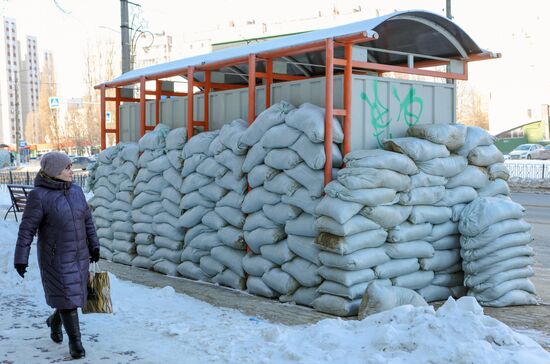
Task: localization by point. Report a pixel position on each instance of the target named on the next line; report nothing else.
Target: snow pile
(199, 172)
(497, 259)
(5, 159)
(104, 195)
(148, 186)
(168, 239)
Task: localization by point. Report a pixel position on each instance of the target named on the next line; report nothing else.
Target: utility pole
(125, 36)
(448, 10)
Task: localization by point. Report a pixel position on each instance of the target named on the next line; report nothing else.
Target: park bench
(18, 195)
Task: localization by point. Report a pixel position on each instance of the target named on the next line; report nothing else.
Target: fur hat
(53, 163)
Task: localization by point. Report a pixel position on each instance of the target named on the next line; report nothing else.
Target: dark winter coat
(66, 238)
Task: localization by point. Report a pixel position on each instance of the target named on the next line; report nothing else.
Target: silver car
(525, 151)
(543, 153)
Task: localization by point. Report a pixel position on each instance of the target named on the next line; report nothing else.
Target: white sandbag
(303, 200)
(231, 161)
(354, 225)
(485, 155)
(130, 152)
(259, 174)
(211, 168)
(176, 138)
(422, 196)
(281, 213)
(120, 235)
(278, 253)
(96, 202)
(431, 214)
(231, 258)
(280, 281)
(168, 243)
(494, 188)
(351, 243)
(310, 179)
(103, 192)
(125, 196)
(144, 239)
(129, 170)
(192, 217)
(166, 218)
(192, 254)
(498, 170)
(139, 216)
(497, 291)
(123, 246)
(231, 199)
(441, 230)
(486, 211)
(396, 267)
(361, 259)
(205, 241)
(191, 164)
(230, 279)
(274, 115)
(472, 176)
(381, 159)
(229, 181)
(258, 220)
(457, 195)
(233, 216)
(452, 136)
(144, 175)
(335, 305)
(166, 267)
(512, 298)
(148, 156)
(303, 271)
(232, 237)
(257, 287)
(455, 268)
(449, 279)
(340, 211)
(168, 231)
(337, 289)
(199, 143)
(445, 167)
(410, 249)
(192, 270)
(357, 178)
(480, 265)
(502, 242)
(282, 159)
(280, 136)
(302, 225)
(142, 262)
(447, 242)
(304, 248)
(409, 232)
(254, 157)
(256, 265)
(213, 220)
(194, 232)
(366, 196)
(314, 155)
(501, 277)
(159, 164)
(493, 232)
(171, 207)
(256, 238)
(433, 293)
(305, 296)
(118, 205)
(230, 136)
(379, 298)
(212, 192)
(441, 260)
(492, 271)
(155, 139)
(256, 198)
(415, 280)
(310, 119)
(124, 226)
(167, 254)
(123, 258)
(194, 181)
(193, 199)
(417, 149)
(475, 137)
(140, 227)
(281, 184)
(345, 277)
(457, 210)
(387, 216)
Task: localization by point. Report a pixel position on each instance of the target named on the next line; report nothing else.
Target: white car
(525, 151)
(543, 153)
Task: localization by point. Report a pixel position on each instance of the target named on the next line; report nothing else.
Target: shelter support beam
(117, 115)
(142, 106)
(329, 99)
(251, 88)
(190, 100)
(102, 119)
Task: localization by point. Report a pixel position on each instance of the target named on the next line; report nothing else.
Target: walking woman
(67, 241)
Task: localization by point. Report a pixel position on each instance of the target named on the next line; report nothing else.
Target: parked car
(543, 153)
(525, 151)
(82, 162)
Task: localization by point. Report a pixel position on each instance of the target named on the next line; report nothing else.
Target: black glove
(94, 257)
(21, 269)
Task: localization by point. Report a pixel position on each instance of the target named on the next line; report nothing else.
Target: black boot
(54, 323)
(72, 328)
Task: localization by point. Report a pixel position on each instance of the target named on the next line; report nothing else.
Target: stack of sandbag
(123, 175)
(104, 195)
(168, 234)
(148, 186)
(200, 170)
(497, 258)
(434, 149)
(224, 264)
(354, 216)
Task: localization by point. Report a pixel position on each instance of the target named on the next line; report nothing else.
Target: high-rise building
(30, 91)
(152, 49)
(10, 91)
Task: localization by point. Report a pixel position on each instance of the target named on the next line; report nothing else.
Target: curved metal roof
(417, 32)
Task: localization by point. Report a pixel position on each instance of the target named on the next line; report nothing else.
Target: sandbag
(361, 259)
(457, 195)
(303, 271)
(346, 277)
(379, 298)
(475, 136)
(280, 136)
(396, 267)
(282, 159)
(445, 167)
(191, 164)
(503, 242)
(256, 286)
(280, 281)
(452, 136)
(199, 143)
(308, 178)
(231, 199)
(486, 211)
(274, 115)
(337, 289)
(205, 241)
(432, 214)
(231, 161)
(281, 184)
(472, 176)
(493, 188)
(441, 230)
(441, 260)
(229, 257)
(233, 216)
(192, 270)
(304, 247)
(367, 196)
(232, 237)
(314, 155)
(409, 232)
(335, 305)
(281, 213)
(211, 168)
(485, 155)
(352, 243)
(256, 265)
(381, 159)
(512, 298)
(422, 196)
(256, 238)
(303, 200)
(256, 198)
(278, 253)
(498, 170)
(303, 225)
(499, 267)
(193, 199)
(254, 157)
(310, 119)
(480, 265)
(259, 174)
(357, 178)
(231, 134)
(415, 280)
(410, 249)
(418, 150)
(354, 225)
(493, 232)
(387, 216)
(340, 211)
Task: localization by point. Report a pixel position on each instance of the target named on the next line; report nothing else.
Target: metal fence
(529, 170)
(27, 178)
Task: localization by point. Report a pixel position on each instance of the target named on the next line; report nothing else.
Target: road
(537, 206)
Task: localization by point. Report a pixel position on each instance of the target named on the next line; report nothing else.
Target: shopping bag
(99, 295)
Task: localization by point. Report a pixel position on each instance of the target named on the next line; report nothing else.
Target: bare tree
(50, 127)
(472, 106)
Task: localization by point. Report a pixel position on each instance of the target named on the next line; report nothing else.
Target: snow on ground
(153, 325)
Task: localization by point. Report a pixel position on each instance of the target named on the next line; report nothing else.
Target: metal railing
(529, 170)
(27, 178)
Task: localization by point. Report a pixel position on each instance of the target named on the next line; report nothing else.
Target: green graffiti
(379, 114)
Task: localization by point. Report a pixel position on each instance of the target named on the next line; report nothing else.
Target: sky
(520, 33)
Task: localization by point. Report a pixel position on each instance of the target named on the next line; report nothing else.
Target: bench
(18, 195)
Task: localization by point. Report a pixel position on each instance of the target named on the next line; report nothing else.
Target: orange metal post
(329, 91)
(117, 115)
(206, 99)
(269, 81)
(347, 98)
(142, 106)
(251, 88)
(158, 91)
(102, 119)
(190, 76)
